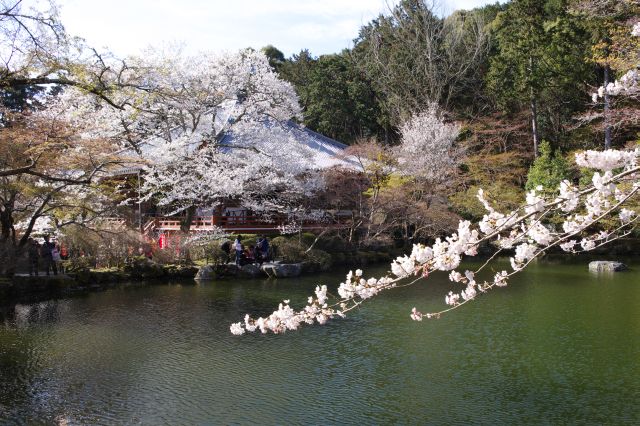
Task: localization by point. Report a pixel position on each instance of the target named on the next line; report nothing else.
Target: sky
(125, 27)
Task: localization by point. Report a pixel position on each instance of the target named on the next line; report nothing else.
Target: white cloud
(128, 26)
(470, 4)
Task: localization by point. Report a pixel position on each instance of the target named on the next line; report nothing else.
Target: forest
(517, 78)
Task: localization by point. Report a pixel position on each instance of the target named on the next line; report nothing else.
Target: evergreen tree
(539, 62)
(275, 56)
(548, 170)
(338, 102)
(608, 23)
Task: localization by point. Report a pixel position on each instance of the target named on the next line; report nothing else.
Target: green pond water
(558, 345)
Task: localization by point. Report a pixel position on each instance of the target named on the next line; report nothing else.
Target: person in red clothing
(248, 255)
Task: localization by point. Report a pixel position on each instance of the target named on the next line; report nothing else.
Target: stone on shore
(282, 270)
(251, 271)
(206, 273)
(606, 266)
(214, 272)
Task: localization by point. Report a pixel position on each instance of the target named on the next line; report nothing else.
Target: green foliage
(217, 256)
(141, 267)
(331, 244)
(501, 178)
(289, 250)
(79, 264)
(548, 170)
(275, 56)
(339, 258)
(307, 238)
(338, 101)
(211, 252)
(540, 57)
(502, 195)
(317, 260)
(393, 181)
(106, 248)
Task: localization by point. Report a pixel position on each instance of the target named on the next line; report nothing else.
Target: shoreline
(40, 287)
(24, 288)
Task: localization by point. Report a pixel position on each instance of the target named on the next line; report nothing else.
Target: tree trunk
(185, 226)
(6, 223)
(534, 124)
(7, 244)
(534, 110)
(607, 108)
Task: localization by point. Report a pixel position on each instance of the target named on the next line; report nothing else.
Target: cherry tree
(264, 169)
(205, 128)
(408, 181)
(215, 129)
(48, 164)
(427, 149)
(37, 53)
(52, 181)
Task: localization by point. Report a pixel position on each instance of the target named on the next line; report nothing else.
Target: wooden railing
(114, 222)
(236, 223)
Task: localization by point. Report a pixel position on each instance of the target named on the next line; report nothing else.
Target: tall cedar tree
(539, 65)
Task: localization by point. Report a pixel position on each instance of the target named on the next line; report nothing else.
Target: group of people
(244, 255)
(51, 254)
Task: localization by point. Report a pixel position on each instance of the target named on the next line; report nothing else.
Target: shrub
(291, 251)
(339, 258)
(277, 242)
(502, 196)
(218, 256)
(549, 169)
(167, 255)
(108, 247)
(331, 244)
(307, 239)
(319, 260)
(79, 264)
(211, 252)
(140, 266)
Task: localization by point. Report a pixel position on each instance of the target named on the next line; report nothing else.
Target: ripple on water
(553, 347)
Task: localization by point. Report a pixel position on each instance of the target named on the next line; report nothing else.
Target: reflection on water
(559, 345)
(25, 315)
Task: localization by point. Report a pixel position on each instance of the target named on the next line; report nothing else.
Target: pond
(558, 345)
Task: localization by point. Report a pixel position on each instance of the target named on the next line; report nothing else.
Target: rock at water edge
(606, 266)
(206, 273)
(284, 270)
(251, 271)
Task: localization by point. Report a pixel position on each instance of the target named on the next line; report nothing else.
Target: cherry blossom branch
(523, 230)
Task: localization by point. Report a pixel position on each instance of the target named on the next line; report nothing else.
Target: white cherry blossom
(527, 231)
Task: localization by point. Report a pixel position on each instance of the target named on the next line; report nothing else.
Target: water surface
(559, 345)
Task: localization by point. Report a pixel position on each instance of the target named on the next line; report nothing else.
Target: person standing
(57, 258)
(264, 248)
(237, 245)
(257, 254)
(248, 255)
(47, 256)
(148, 251)
(226, 249)
(33, 251)
(64, 253)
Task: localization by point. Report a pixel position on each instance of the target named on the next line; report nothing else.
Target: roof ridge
(318, 135)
